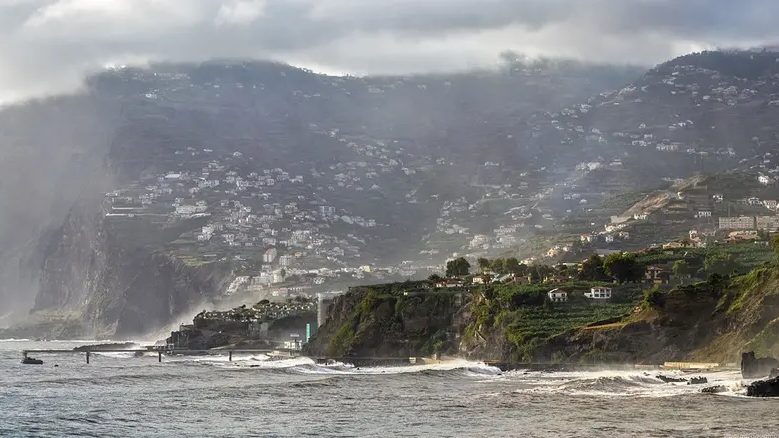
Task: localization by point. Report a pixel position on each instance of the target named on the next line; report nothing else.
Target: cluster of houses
(595, 293)
(260, 312)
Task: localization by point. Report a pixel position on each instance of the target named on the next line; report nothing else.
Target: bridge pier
(87, 357)
(159, 356)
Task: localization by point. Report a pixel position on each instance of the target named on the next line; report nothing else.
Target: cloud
(48, 46)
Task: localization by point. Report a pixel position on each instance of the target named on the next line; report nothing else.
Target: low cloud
(47, 46)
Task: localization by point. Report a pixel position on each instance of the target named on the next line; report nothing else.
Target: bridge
(271, 352)
(278, 352)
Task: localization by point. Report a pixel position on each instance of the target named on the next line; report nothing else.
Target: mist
(48, 46)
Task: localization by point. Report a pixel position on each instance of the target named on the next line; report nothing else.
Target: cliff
(712, 321)
(119, 279)
(394, 320)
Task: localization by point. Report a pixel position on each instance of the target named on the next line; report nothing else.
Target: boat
(31, 361)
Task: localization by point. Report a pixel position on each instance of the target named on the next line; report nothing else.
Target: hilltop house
(557, 295)
(449, 283)
(657, 275)
(599, 293)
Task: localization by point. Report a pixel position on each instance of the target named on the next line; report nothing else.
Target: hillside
(207, 167)
(711, 321)
(708, 321)
(255, 179)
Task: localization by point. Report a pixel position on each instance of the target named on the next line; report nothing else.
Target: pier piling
(230, 356)
(87, 357)
(159, 356)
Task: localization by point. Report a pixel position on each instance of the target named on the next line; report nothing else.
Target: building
(557, 295)
(737, 223)
(657, 275)
(269, 256)
(770, 223)
(323, 301)
(599, 293)
(285, 261)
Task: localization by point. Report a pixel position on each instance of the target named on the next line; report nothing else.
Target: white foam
(623, 383)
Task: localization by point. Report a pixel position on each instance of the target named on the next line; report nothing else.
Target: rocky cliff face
(376, 321)
(711, 321)
(119, 285)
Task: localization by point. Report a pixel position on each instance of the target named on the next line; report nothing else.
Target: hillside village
(285, 223)
(260, 180)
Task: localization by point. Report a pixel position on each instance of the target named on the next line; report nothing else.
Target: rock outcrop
(667, 379)
(698, 381)
(379, 321)
(764, 388)
(716, 389)
(753, 367)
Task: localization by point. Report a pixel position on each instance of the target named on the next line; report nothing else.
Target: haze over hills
(159, 189)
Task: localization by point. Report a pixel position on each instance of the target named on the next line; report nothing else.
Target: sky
(48, 46)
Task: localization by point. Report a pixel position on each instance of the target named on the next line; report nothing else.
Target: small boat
(32, 361)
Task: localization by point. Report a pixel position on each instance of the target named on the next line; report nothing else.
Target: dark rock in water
(764, 388)
(714, 389)
(698, 381)
(753, 367)
(667, 379)
(774, 373)
(138, 353)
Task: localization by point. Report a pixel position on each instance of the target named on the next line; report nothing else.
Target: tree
(623, 267)
(562, 269)
(722, 264)
(498, 266)
(511, 265)
(775, 244)
(484, 264)
(434, 278)
(283, 273)
(535, 275)
(682, 269)
(457, 267)
(592, 269)
(545, 271)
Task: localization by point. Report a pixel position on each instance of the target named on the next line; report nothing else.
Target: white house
(557, 295)
(599, 293)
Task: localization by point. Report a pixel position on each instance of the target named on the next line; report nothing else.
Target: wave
(624, 383)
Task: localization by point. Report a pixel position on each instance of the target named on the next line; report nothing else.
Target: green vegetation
(457, 267)
(623, 201)
(624, 267)
(408, 318)
(525, 317)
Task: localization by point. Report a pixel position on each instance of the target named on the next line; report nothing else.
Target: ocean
(118, 395)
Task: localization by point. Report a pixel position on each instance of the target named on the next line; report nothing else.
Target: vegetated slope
(731, 186)
(508, 322)
(712, 321)
(394, 320)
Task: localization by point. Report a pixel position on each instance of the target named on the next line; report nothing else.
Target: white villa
(558, 295)
(599, 293)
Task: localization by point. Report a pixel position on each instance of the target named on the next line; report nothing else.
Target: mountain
(156, 190)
